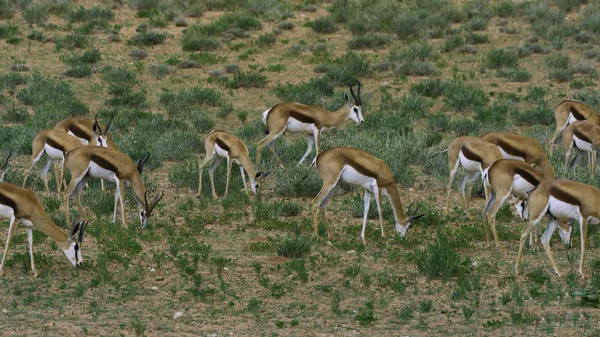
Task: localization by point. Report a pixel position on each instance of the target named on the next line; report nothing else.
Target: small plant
(439, 259)
(369, 41)
(425, 306)
(287, 25)
(295, 247)
(463, 97)
(247, 79)
(266, 40)
(148, 38)
(405, 314)
(138, 54)
(557, 61)
(501, 58)
(180, 22)
(160, 71)
(366, 314)
(36, 13)
(323, 25)
(138, 326)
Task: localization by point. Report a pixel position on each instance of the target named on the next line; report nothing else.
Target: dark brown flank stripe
(366, 172)
(79, 132)
(222, 144)
(301, 117)
(581, 136)
(508, 148)
(5, 200)
(469, 154)
(527, 176)
(577, 114)
(105, 164)
(563, 196)
(54, 144)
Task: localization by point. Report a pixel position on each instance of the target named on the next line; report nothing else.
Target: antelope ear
(262, 175)
(347, 98)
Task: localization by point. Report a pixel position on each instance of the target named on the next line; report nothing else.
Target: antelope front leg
(11, 232)
(30, 239)
(583, 221)
(229, 164)
(121, 189)
(367, 200)
(546, 244)
(524, 234)
(310, 141)
(378, 202)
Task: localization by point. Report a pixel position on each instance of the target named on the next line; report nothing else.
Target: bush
(295, 247)
(476, 24)
(184, 100)
(440, 260)
(463, 97)
(143, 4)
(247, 79)
(36, 35)
(535, 116)
(79, 71)
(585, 68)
(406, 26)
(561, 75)
(267, 39)
(431, 87)
(72, 41)
(557, 61)
(160, 71)
(95, 13)
(369, 41)
(323, 25)
(9, 30)
(287, 25)
(180, 22)
(36, 13)
(149, 38)
(344, 70)
(194, 41)
(138, 54)
(312, 92)
(465, 127)
(501, 58)
(505, 9)
(91, 56)
(417, 68)
(514, 75)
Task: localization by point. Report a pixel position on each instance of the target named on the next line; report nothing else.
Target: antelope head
(355, 104)
(100, 136)
(254, 182)
(147, 208)
(411, 216)
(75, 238)
(4, 164)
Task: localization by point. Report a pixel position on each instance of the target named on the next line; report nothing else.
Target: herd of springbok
(509, 164)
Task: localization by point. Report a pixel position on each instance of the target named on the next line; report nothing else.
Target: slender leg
(593, 163)
(378, 202)
(102, 184)
(367, 199)
(116, 202)
(57, 176)
(450, 180)
(121, 186)
(546, 243)
(320, 201)
(326, 222)
(244, 178)
(465, 189)
(229, 164)
(310, 141)
(533, 221)
(491, 217)
(45, 173)
(554, 136)
(583, 223)
(30, 239)
(272, 149)
(211, 174)
(266, 141)
(567, 155)
(200, 168)
(11, 232)
(28, 169)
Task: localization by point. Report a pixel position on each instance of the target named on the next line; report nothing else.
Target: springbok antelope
(515, 146)
(4, 164)
(360, 168)
(505, 177)
(584, 137)
(309, 119)
(226, 145)
(87, 162)
(567, 112)
(561, 199)
(474, 155)
(88, 131)
(54, 143)
(22, 206)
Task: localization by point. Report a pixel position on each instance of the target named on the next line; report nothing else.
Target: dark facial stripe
(105, 164)
(301, 117)
(54, 144)
(222, 144)
(5, 200)
(81, 133)
(527, 176)
(576, 114)
(469, 154)
(581, 135)
(508, 148)
(563, 196)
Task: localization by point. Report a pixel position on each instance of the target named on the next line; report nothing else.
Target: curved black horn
(352, 93)
(73, 230)
(97, 125)
(410, 207)
(358, 90)
(82, 230)
(109, 125)
(142, 161)
(5, 162)
(146, 201)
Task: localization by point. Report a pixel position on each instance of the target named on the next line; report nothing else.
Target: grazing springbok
(561, 199)
(225, 145)
(582, 136)
(22, 206)
(506, 177)
(567, 112)
(474, 155)
(308, 119)
(357, 167)
(87, 162)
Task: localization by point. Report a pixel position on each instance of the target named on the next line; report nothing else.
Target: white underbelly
(351, 176)
(563, 210)
(53, 153)
(508, 156)
(295, 126)
(96, 171)
(521, 187)
(469, 165)
(221, 152)
(6, 212)
(582, 145)
(571, 119)
(83, 140)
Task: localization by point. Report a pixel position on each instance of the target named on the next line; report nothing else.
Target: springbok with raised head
(358, 167)
(88, 131)
(516, 146)
(567, 112)
(54, 143)
(225, 145)
(582, 136)
(474, 155)
(308, 119)
(4, 164)
(21, 206)
(506, 177)
(87, 162)
(561, 199)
